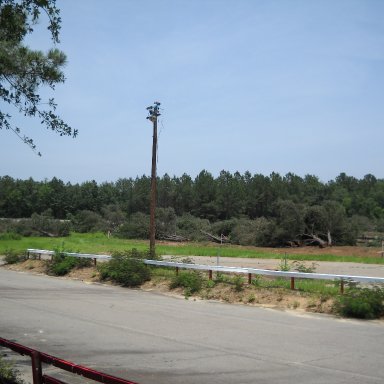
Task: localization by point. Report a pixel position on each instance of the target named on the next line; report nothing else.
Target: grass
(98, 243)
(323, 287)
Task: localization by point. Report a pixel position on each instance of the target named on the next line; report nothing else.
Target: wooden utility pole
(153, 115)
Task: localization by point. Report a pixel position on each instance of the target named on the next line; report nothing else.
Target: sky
(245, 85)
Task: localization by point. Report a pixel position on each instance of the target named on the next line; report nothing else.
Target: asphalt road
(150, 338)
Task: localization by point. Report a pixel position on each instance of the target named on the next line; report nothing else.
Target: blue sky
(258, 85)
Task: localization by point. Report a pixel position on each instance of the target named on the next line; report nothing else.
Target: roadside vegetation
(126, 268)
(99, 243)
(8, 373)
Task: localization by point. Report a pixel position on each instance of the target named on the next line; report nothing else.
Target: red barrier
(39, 357)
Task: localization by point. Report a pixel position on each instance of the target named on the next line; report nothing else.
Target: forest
(247, 209)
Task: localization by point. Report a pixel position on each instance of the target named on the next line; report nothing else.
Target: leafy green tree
(230, 195)
(113, 216)
(191, 227)
(88, 221)
(24, 71)
(165, 191)
(205, 195)
(141, 193)
(258, 195)
(165, 221)
(183, 201)
(315, 219)
(136, 227)
(289, 220)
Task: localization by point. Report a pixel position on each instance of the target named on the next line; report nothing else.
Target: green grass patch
(99, 243)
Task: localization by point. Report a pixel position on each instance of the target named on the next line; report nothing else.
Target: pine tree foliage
(24, 71)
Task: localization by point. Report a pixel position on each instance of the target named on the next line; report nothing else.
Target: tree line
(251, 209)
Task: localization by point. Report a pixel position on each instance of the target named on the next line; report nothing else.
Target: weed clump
(126, 268)
(192, 282)
(8, 373)
(238, 281)
(361, 303)
(62, 264)
(13, 257)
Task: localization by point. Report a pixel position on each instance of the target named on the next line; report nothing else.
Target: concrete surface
(150, 338)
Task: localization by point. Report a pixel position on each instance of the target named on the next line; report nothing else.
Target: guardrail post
(210, 274)
(292, 283)
(249, 278)
(37, 373)
(94, 262)
(342, 286)
(177, 271)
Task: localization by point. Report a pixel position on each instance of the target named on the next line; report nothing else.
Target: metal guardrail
(248, 271)
(40, 252)
(266, 272)
(39, 357)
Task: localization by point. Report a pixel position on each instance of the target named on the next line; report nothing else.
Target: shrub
(126, 268)
(10, 236)
(284, 265)
(12, 257)
(45, 224)
(361, 303)
(136, 227)
(192, 282)
(238, 281)
(259, 232)
(88, 221)
(62, 264)
(190, 226)
(8, 373)
(300, 266)
(165, 221)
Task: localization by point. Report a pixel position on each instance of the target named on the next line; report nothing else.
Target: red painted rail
(39, 357)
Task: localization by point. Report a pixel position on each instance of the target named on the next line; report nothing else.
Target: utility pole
(153, 115)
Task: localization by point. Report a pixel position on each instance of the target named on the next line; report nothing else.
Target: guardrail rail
(247, 271)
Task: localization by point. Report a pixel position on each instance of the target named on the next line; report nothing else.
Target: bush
(190, 227)
(259, 232)
(88, 221)
(192, 282)
(62, 264)
(126, 268)
(12, 257)
(136, 227)
(10, 236)
(8, 373)
(361, 303)
(300, 266)
(238, 281)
